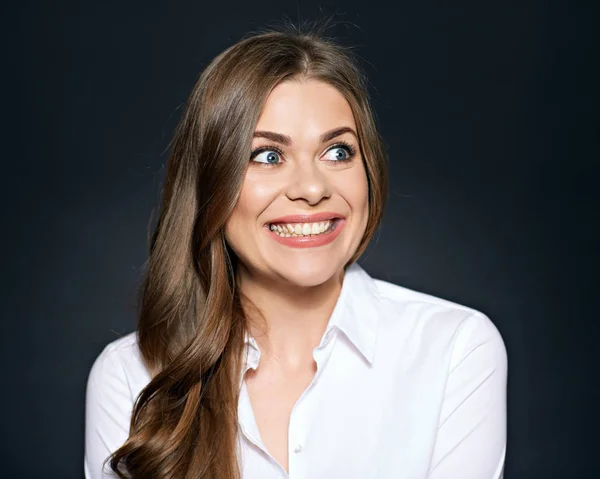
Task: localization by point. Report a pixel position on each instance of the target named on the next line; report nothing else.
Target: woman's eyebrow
(287, 141)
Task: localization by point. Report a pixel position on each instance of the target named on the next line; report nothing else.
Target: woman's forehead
(305, 109)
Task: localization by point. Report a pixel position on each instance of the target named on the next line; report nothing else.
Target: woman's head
(286, 93)
(221, 197)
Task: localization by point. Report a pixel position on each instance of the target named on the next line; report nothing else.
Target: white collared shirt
(408, 386)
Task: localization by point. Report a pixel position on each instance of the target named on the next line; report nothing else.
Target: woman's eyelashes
(272, 156)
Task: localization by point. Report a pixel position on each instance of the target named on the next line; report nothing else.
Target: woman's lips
(310, 241)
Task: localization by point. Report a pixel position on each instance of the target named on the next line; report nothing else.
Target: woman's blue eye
(339, 154)
(267, 156)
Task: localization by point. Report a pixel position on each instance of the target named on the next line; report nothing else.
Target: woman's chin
(308, 274)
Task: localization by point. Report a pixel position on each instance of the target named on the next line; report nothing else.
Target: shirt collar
(355, 312)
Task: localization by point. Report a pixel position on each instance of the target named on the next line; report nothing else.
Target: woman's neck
(295, 317)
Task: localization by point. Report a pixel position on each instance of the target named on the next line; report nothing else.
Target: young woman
(263, 350)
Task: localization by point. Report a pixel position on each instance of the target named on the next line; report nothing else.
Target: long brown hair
(191, 322)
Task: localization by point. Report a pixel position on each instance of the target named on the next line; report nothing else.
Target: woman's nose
(308, 183)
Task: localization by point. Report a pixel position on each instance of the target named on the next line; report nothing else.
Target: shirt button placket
(296, 438)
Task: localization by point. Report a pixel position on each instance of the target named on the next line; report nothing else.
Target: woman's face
(303, 207)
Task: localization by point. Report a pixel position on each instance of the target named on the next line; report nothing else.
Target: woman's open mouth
(302, 235)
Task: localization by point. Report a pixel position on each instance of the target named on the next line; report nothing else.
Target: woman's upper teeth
(301, 228)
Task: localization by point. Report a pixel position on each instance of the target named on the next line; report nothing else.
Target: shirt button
(298, 448)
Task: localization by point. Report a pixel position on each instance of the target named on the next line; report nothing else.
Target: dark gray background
(489, 111)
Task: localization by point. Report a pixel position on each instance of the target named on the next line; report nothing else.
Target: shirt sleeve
(109, 404)
(471, 435)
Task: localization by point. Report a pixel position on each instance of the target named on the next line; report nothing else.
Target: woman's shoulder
(402, 296)
(431, 329)
(120, 362)
(435, 317)
(115, 379)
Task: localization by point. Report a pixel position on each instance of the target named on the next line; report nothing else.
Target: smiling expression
(303, 207)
